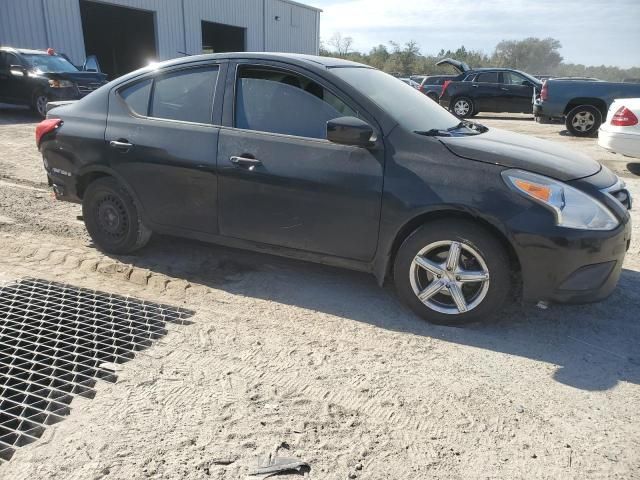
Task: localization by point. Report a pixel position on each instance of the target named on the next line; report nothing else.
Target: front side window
(278, 101)
(185, 95)
(511, 78)
(7, 59)
(487, 77)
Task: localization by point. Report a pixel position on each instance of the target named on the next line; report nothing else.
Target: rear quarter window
(137, 97)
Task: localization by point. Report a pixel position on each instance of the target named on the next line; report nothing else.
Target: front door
(161, 138)
(281, 182)
(517, 93)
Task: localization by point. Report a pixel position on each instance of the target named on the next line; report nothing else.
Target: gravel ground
(322, 364)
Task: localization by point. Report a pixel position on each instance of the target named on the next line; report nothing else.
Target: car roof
(296, 58)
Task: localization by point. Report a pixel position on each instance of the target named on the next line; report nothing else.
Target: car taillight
(444, 86)
(624, 118)
(544, 93)
(46, 126)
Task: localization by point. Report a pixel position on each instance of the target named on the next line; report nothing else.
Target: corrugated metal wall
(57, 24)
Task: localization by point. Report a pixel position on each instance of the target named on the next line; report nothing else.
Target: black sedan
(334, 162)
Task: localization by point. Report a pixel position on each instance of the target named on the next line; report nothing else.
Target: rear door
(487, 91)
(281, 181)
(517, 96)
(162, 138)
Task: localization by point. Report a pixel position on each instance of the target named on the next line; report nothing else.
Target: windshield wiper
(434, 132)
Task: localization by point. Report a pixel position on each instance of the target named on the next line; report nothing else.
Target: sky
(592, 32)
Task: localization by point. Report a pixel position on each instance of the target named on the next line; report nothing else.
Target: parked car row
(580, 102)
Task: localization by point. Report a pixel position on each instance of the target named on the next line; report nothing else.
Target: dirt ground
(321, 364)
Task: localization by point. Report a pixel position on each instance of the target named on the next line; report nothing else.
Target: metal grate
(55, 340)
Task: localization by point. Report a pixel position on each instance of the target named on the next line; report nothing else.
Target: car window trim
(152, 76)
(277, 66)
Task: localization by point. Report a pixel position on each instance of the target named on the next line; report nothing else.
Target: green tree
(533, 55)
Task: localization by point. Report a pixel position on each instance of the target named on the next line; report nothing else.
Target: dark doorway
(122, 38)
(219, 38)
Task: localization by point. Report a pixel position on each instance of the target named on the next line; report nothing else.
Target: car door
(162, 139)
(487, 92)
(517, 94)
(281, 182)
(14, 87)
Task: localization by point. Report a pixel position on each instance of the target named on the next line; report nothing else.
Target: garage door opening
(122, 38)
(220, 38)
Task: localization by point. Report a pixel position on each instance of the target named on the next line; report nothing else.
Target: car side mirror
(350, 131)
(17, 70)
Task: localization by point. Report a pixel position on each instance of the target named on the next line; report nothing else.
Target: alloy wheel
(449, 277)
(583, 121)
(461, 108)
(41, 105)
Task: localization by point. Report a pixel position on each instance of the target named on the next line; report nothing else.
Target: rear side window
(282, 102)
(487, 77)
(137, 96)
(186, 95)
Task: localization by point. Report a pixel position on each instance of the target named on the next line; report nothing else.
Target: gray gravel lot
(322, 364)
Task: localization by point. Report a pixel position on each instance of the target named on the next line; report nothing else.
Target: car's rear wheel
(453, 272)
(463, 107)
(584, 121)
(39, 104)
(112, 218)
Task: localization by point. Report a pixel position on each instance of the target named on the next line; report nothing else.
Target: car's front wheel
(112, 218)
(452, 272)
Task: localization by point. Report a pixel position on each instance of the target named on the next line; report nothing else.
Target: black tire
(584, 121)
(112, 219)
(470, 236)
(39, 103)
(458, 107)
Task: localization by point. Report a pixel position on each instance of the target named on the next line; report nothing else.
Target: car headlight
(60, 83)
(571, 207)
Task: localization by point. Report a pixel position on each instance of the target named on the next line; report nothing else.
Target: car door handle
(246, 162)
(504, 88)
(120, 145)
(475, 86)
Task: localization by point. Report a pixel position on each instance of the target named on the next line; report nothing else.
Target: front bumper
(571, 266)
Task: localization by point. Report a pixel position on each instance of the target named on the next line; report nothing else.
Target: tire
(112, 219)
(481, 253)
(462, 107)
(584, 121)
(39, 104)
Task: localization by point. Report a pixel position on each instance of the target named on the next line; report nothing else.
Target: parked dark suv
(334, 162)
(478, 90)
(35, 77)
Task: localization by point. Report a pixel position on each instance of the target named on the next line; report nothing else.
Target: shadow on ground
(593, 346)
(10, 115)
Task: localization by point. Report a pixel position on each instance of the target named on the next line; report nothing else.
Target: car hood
(513, 150)
(78, 77)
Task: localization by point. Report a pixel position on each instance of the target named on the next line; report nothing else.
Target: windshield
(410, 108)
(50, 63)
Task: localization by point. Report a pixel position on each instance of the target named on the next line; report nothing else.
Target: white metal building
(126, 34)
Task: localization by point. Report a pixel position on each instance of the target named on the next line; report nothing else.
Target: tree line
(537, 56)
